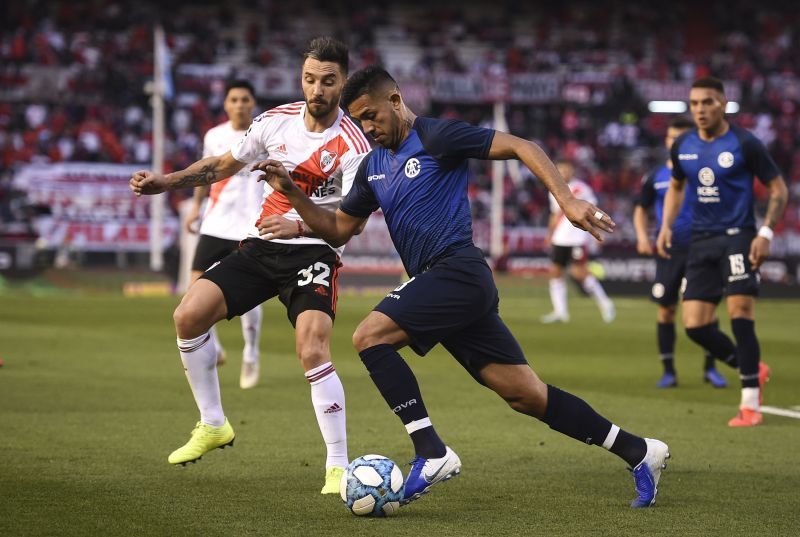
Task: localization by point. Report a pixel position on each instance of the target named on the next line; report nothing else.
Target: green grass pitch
(93, 399)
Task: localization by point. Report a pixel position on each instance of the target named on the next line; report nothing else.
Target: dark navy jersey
(422, 189)
(720, 174)
(654, 188)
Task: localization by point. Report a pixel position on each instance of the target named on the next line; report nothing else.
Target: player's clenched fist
(147, 183)
(275, 174)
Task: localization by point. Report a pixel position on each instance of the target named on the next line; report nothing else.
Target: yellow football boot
(204, 439)
(333, 477)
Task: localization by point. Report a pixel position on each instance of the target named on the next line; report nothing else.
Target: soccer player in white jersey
(322, 150)
(228, 217)
(568, 249)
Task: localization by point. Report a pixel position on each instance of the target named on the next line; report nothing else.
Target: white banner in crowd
(92, 208)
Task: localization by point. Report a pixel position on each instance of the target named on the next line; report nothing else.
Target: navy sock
(709, 361)
(666, 345)
(572, 416)
(748, 351)
(399, 387)
(712, 339)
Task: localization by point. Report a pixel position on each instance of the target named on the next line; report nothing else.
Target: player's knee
(363, 338)
(312, 356)
(186, 322)
(741, 310)
(666, 314)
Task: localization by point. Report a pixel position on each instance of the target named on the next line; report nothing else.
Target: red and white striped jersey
(323, 164)
(234, 202)
(565, 234)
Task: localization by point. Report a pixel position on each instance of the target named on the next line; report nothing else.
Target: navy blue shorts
(718, 265)
(455, 303)
(669, 277)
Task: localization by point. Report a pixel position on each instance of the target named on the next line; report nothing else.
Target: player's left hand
(759, 251)
(278, 227)
(587, 217)
(275, 174)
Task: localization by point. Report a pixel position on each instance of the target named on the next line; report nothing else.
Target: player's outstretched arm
(672, 206)
(581, 213)
(203, 172)
(335, 228)
(778, 196)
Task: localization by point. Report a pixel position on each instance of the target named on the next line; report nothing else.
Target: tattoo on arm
(775, 207)
(205, 176)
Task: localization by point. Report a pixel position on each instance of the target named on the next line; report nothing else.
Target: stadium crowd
(73, 74)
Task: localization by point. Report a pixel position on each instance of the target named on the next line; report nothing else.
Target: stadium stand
(578, 77)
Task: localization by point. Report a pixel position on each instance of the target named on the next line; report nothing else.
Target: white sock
(750, 398)
(251, 330)
(327, 396)
(199, 357)
(595, 289)
(558, 296)
(215, 340)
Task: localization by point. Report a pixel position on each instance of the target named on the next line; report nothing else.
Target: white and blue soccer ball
(372, 485)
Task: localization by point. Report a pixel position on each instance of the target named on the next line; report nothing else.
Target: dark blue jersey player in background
(418, 176)
(670, 272)
(719, 161)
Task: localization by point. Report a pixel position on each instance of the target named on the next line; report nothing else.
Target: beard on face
(319, 109)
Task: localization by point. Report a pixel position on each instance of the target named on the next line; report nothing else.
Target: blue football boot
(667, 380)
(648, 472)
(427, 472)
(715, 378)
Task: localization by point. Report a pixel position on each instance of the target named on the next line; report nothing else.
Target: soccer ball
(372, 485)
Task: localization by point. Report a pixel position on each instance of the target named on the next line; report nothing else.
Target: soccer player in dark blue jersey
(670, 272)
(719, 161)
(418, 176)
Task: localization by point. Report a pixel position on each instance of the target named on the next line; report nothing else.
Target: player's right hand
(643, 247)
(587, 217)
(664, 242)
(145, 182)
(275, 174)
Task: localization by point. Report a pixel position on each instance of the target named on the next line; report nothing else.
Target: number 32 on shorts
(307, 275)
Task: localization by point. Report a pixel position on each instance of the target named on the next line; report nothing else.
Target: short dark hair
(680, 122)
(239, 83)
(328, 49)
(364, 82)
(709, 82)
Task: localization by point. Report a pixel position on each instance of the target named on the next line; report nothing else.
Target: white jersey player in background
(568, 248)
(230, 211)
(322, 149)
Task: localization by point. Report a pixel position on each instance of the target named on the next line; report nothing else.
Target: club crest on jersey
(327, 160)
(706, 176)
(413, 168)
(725, 159)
